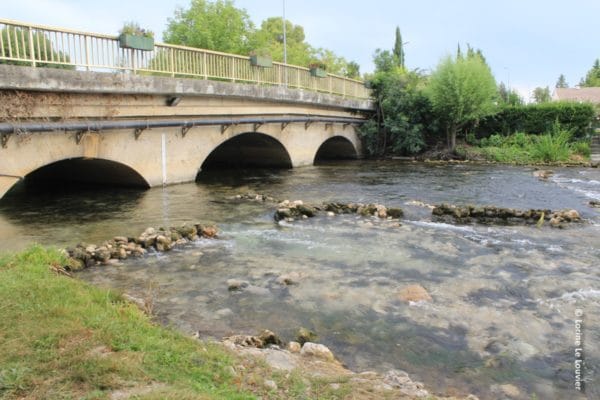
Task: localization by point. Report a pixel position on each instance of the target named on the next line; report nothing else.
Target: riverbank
(63, 338)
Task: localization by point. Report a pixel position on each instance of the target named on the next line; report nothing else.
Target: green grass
(63, 339)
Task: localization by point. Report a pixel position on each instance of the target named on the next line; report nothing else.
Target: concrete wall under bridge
(102, 128)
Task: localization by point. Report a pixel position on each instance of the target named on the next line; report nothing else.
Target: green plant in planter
(132, 36)
(318, 69)
(261, 58)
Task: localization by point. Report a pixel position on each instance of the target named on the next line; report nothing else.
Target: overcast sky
(526, 42)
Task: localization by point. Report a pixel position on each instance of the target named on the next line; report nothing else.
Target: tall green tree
(399, 48)
(462, 91)
(562, 82)
(269, 38)
(541, 95)
(592, 78)
(213, 25)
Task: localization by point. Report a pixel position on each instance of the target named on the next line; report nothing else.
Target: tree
(592, 78)
(462, 91)
(399, 48)
(509, 97)
(541, 95)
(352, 70)
(562, 82)
(270, 38)
(13, 38)
(213, 25)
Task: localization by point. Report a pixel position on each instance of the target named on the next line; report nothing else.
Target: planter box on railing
(318, 72)
(137, 42)
(261, 61)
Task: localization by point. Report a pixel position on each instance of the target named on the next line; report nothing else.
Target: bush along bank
(122, 247)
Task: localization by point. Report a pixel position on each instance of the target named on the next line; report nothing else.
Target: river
(506, 299)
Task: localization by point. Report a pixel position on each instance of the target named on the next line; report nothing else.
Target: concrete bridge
(126, 129)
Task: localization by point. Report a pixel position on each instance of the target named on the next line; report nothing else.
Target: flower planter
(318, 72)
(144, 43)
(261, 61)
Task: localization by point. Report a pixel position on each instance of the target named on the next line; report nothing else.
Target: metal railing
(45, 46)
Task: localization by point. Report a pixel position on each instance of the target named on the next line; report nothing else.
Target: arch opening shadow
(248, 150)
(336, 148)
(83, 172)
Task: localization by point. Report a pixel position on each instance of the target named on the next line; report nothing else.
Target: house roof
(591, 94)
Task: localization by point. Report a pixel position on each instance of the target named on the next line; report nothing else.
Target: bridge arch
(337, 147)
(249, 149)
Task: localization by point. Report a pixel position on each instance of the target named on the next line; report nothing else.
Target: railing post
(330, 84)
(233, 69)
(205, 65)
(87, 53)
(31, 47)
(344, 88)
(172, 61)
(132, 57)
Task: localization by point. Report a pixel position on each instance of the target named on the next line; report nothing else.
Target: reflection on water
(505, 298)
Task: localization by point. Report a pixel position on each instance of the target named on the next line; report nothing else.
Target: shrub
(538, 119)
(582, 148)
(553, 146)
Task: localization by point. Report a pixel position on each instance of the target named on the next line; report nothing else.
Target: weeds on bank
(520, 148)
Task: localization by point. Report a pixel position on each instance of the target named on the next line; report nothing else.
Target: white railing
(45, 46)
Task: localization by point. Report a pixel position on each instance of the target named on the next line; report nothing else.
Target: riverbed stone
(291, 278)
(543, 174)
(294, 347)
(269, 338)
(414, 293)
(395, 212)
(310, 349)
(305, 335)
(236, 284)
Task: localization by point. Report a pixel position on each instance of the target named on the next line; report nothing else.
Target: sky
(528, 43)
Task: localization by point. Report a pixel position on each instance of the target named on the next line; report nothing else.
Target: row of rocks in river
(499, 215)
(121, 247)
(291, 210)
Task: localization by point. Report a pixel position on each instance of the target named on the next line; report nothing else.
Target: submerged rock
(236, 284)
(414, 293)
(543, 174)
(305, 335)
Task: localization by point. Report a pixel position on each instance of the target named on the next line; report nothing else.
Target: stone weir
(491, 215)
(121, 247)
(448, 213)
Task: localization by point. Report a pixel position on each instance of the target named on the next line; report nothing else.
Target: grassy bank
(554, 147)
(63, 339)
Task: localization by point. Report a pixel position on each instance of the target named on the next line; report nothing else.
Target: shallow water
(505, 299)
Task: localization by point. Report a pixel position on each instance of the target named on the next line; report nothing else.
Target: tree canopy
(462, 90)
(399, 48)
(541, 94)
(218, 25)
(213, 25)
(562, 82)
(592, 78)
(12, 39)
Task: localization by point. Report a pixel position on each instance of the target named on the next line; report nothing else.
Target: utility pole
(284, 47)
